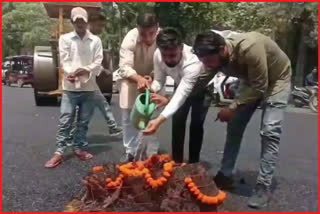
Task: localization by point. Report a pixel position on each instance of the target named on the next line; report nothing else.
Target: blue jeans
(103, 106)
(70, 101)
(273, 108)
(105, 109)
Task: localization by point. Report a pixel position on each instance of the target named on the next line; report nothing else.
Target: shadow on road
(102, 139)
(99, 143)
(206, 164)
(163, 151)
(245, 183)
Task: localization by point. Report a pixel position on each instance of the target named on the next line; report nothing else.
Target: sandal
(54, 161)
(83, 155)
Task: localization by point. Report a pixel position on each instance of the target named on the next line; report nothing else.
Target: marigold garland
(140, 169)
(211, 200)
(167, 169)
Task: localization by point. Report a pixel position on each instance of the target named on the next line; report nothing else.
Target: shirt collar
(230, 48)
(88, 35)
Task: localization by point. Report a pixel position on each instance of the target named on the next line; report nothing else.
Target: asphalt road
(28, 140)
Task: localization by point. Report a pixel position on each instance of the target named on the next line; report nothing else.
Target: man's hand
(149, 79)
(159, 99)
(82, 72)
(225, 114)
(153, 125)
(142, 82)
(71, 78)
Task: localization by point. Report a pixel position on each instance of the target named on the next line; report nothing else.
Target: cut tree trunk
(136, 195)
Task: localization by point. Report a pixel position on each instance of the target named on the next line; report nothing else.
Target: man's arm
(159, 79)
(184, 89)
(256, 60)
(126, 62)
(64, 55)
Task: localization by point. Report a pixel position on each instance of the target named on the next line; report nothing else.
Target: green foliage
(24, 25)
(121, 17)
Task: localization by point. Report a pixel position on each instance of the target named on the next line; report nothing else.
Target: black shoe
(115, 131)
(260, 197)
(194, 160)
(127, 157)
(223, 182)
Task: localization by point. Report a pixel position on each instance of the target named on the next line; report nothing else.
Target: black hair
(147, 19)
(208, 43)
(169, 37)
(97, 17)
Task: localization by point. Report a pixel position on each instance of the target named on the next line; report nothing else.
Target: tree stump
(134, 194)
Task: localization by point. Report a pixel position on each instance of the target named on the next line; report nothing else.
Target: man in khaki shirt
(135, 68)
(266, 70)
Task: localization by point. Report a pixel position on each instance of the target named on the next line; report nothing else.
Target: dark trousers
(199, 104)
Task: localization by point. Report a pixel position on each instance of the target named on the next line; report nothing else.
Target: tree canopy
(293, 25)
(24, 25)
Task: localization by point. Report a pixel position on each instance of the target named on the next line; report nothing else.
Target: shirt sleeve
(64, 54)
(160, 76)
(203, 80)
(256, 60)
(184, 89)
(126, 62)
(95, 67)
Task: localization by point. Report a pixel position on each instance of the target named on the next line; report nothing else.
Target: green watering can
(142, 110)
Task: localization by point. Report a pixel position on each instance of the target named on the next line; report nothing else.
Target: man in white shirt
(175, 59)
(135, 67)
(80, 57)
(96, 26)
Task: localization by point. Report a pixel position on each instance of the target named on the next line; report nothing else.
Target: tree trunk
(293, 37)
(134, 194)
(120, 24)
(301, 59)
